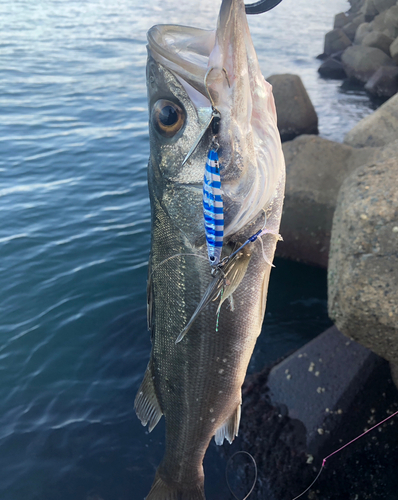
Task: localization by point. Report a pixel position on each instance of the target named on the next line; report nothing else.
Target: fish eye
(167, 117)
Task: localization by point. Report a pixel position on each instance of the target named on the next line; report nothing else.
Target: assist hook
(261, 6)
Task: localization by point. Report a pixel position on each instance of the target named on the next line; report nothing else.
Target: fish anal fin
(229, 429)
(146, 403)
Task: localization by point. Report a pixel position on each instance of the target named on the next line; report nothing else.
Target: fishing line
(342, 448)
(255, 474)
(219, 309)
(173, 256)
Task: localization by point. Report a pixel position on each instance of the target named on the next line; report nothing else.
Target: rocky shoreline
(363, 47)
(340, 213)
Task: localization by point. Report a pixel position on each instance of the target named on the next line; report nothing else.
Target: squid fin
(229, 429)
(146, 403)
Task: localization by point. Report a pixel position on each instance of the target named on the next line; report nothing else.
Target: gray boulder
(360, 62)
(335, 41)
(379, 23)
(363, 264)
(377, 129)
(369, 10)
(394, 50)
(315, 170)
(350, 29)
(355, 6)
(362, 30)
(340, 20)
(391, 21)
(384, 83)
(359, 19)
(382, 5)
(378, 40)
(296, 114)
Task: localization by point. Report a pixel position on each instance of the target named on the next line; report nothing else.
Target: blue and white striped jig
(213, 210)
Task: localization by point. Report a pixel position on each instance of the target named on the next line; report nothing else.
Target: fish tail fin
(162, 491)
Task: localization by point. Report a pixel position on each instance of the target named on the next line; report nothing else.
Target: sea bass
(206, 93)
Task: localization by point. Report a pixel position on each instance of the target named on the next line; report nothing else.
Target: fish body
(196, 382)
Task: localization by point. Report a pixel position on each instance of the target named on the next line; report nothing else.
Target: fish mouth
(183, 50)
(189, 52)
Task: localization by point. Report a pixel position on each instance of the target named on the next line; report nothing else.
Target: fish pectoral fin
(146, 403)
(229, 429)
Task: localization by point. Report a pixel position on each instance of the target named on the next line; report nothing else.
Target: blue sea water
(75, 233)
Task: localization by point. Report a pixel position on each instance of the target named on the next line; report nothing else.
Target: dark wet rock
(378, 129)
(315, 170)
(360, 62)
(363, 262)
(337, 55)
(332, 68)
(394, 50)
(378, 40)
(340, 20)
(394, 373)
(362, 30)
(303, 383)
(296, 113)
(384, 83)
(358, 393)
(336, 40)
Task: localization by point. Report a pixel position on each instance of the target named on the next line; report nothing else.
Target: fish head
(192, 73)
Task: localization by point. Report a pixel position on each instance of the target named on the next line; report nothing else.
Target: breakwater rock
(363, 264)
(367, 35)
(341, 212)
(378, 129)
(315, 171)
(296, 113)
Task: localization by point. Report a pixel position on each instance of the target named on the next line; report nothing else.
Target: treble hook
(215, 117)
(207, 89)
(261, 6)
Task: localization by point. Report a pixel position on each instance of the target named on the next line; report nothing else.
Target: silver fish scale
(199, 378)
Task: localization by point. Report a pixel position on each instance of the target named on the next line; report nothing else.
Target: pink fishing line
(342, 448)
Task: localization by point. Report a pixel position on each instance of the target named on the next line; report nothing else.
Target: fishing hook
(214, 118)
(261, 6)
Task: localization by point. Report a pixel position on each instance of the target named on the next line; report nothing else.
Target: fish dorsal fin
(146, 403)
(229, 429)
